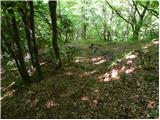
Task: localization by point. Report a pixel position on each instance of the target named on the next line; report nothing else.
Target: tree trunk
(24, 16)
(32, 35)
(18, 49)
(136, 30)
(84, 19)
(52, 8)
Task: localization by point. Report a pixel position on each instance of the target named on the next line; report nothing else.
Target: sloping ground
(118, 81)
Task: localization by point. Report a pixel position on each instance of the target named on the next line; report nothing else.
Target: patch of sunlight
(100, 62)
(130, 70)
(68, 73)
(96, 59)
(95, 102)
(8, 86)
(123, 68)
(151, 104)
(88, 73)
(130, 56)
(114, 74)
(8, 94)
(51, 104)
(146, 46)
(155, 42)
(129, 62)
(106, 77)
(85, 98)
(42, 63)
(80, 59)
(96, 90)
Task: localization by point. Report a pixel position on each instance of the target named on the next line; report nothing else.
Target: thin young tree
(52, 8)
(32, 36)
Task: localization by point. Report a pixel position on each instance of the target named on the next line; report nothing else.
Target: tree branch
(135, 5)
(144, 10)
(155, 13)
(118, 13)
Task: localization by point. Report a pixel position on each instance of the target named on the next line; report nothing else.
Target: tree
(27, 15)
(52, 8)
(14, 45)
(84, 18)
(135, 22)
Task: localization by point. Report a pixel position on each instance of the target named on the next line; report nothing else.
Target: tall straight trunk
(104, 23)
(32, 36)
(19, 51)
(135, 36)
(109, 36)
(104, 31)
(84, 19)
(23, 12)
(60, 19)
(84, 31)
(136, 29)
(52, 8)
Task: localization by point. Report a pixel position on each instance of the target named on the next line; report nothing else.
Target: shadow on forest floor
(118, 81)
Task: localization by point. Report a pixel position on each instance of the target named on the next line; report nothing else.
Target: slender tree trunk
(104, 32)
(23, 12)
(84, 19)
(32, 35)
(52, 7)
(136, 30)
(19, 52)
(60, 19)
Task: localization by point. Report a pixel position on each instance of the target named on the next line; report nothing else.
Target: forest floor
(117, 81)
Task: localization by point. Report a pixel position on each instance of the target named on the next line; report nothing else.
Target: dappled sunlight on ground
(95, 59)
(51, 104)
(68, 73)
(85, 74)
(92, 87)
(8, 93)
(129, 70)
(4, 89)
(81, 59)
(98, 60)
(151, 104)
(130, 56)
(112, 75)
(85, 98)
(155, 41)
